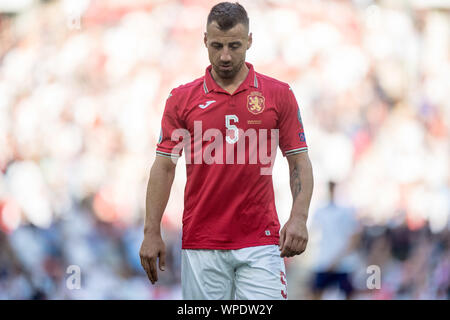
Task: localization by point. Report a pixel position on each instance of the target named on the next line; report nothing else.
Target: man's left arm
(294, 234)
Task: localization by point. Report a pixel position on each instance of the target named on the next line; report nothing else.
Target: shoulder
(180, 96)
(272, 83)
(279, 90)
(187, 88)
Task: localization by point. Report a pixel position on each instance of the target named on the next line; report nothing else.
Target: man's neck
(231, 85)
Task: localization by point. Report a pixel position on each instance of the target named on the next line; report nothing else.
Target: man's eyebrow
(235, 42)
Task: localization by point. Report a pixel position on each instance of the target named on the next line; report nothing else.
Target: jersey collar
(210, 85)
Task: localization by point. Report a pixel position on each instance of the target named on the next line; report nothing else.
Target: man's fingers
(282, 238)
(146, 267)
(293, 239)
(153, 270)
(152, 248)
(292, 248)
(303, 245)
(296, 247)
(286, 248)
(162, 260)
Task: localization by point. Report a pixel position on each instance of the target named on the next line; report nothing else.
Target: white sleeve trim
(295, 151)
(167, 155)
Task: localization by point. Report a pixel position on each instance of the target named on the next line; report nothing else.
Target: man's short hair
(227, 15)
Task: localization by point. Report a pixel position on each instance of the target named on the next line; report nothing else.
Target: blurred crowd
(82, 91)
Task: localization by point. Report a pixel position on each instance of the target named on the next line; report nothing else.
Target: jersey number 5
(230, 126)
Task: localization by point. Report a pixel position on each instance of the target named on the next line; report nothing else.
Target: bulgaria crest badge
(255, 102)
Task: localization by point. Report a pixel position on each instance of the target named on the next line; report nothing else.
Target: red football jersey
(228, 202)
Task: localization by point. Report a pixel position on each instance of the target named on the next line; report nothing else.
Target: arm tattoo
(296, 185)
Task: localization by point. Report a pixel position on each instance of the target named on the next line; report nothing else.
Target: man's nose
(225, 55)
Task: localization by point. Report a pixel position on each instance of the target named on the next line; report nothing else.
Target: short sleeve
(171, 121)
(292, 135)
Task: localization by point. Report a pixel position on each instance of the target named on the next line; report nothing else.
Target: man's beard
(228, 74)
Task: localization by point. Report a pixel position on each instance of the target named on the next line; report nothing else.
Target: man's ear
(250, 40)
(205, 39)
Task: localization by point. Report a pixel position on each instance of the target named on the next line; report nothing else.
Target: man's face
(226, 49)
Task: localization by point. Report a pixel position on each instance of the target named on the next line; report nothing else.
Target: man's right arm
(158, 192)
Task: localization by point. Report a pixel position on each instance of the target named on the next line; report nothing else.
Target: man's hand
(152, 247)
(293, 237)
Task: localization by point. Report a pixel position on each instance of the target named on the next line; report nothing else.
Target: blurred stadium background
(82, 90)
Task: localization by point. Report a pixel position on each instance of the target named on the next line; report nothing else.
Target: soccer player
(337, 257)
(232, 246)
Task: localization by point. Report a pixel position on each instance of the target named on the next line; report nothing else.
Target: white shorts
(254, 273)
